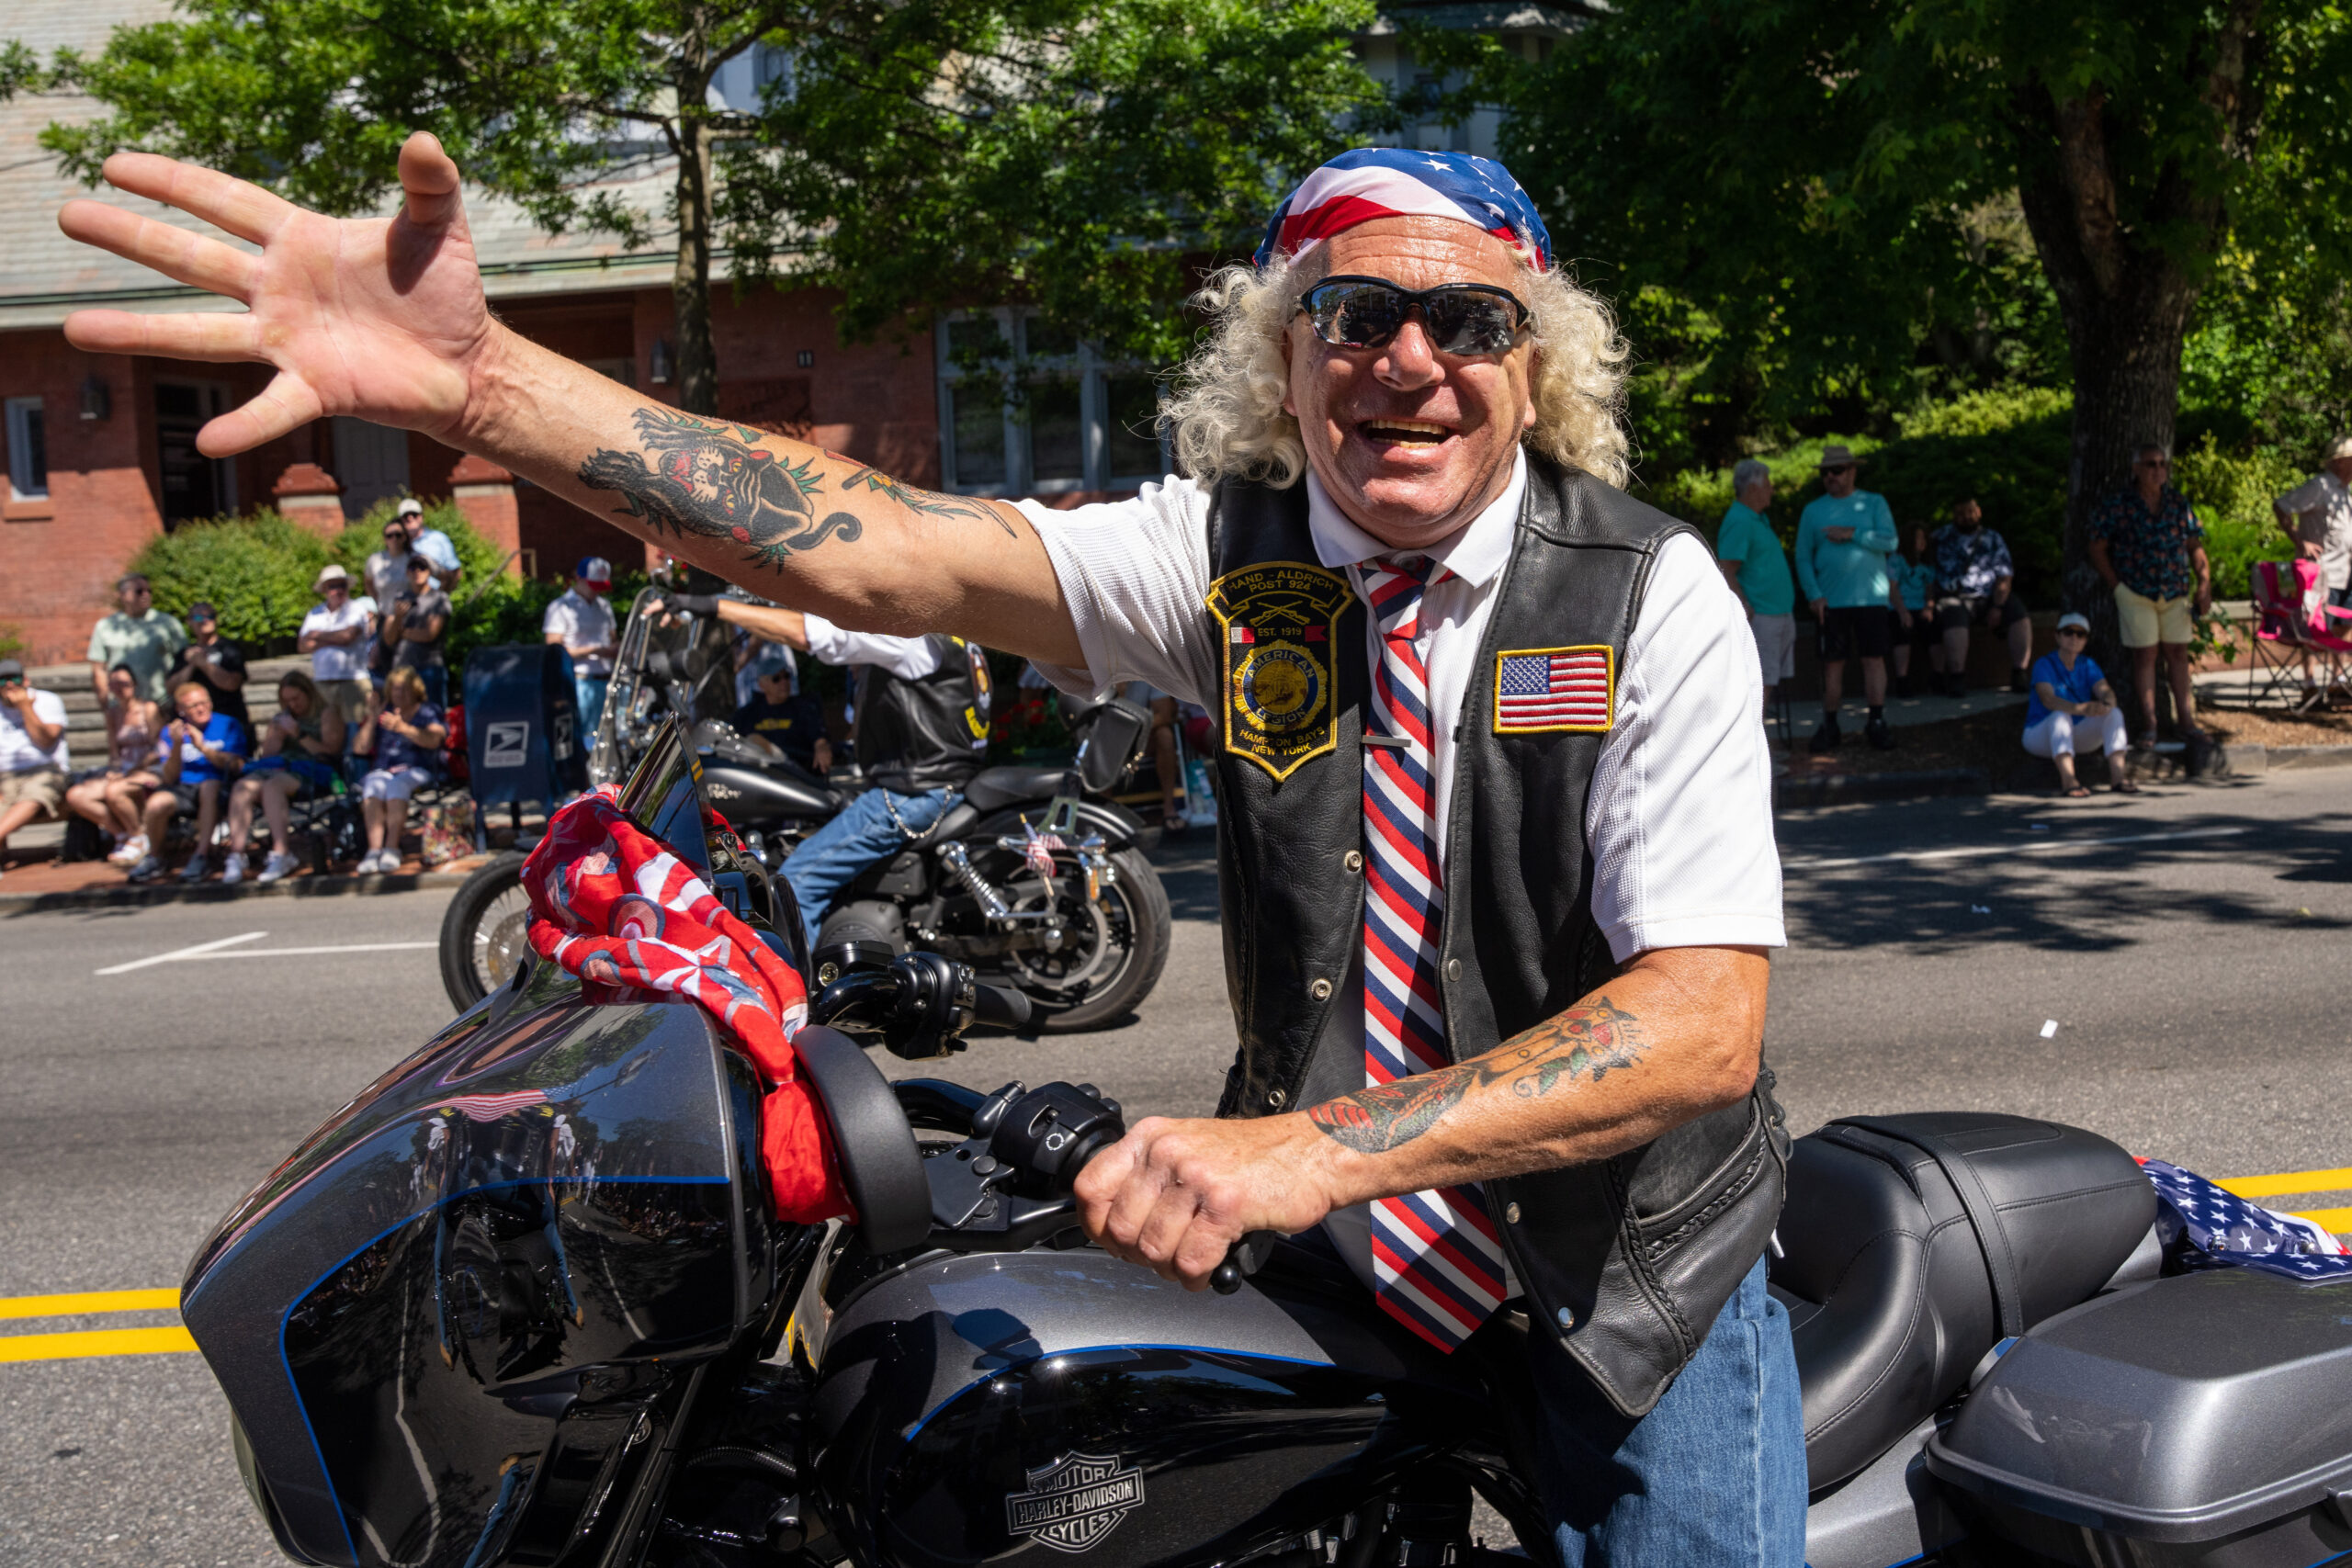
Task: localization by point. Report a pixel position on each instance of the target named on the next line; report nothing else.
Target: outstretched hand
(379, 318)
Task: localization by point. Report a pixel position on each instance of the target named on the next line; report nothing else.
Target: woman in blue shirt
(2071, 702)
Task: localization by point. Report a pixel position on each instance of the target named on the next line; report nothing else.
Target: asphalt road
(2195, 968)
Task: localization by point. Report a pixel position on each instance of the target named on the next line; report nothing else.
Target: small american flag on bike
(1542, 689)
(1038, 852)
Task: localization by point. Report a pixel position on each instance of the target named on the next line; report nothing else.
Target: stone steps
(85, 724)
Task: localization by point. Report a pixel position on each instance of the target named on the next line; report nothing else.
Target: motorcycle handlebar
(1243, 1258)
(995, 1004)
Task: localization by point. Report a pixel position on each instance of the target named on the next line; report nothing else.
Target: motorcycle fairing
(509, 1254)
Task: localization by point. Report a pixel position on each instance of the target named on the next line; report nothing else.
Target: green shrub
(2233, 492)
(254, 571)
(12, 640)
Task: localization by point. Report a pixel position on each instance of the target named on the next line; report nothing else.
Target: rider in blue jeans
(921, 707)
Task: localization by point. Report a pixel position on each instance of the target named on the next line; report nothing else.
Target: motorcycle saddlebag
(2205, 1419)
(461, 1325)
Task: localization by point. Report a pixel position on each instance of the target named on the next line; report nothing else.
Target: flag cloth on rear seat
(2206, 1227)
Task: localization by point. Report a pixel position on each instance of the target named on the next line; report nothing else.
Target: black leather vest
(1627, 1259)
(915, 735)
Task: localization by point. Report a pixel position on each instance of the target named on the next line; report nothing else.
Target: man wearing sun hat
(580, 623)
(1843, 537)
(1495, 838)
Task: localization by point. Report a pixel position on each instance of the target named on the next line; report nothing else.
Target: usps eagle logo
(1074, 1502)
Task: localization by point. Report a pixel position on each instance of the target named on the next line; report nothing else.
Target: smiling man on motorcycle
(920, 722)
(1497, 861)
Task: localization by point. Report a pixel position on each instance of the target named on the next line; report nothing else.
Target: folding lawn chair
(2294, 627)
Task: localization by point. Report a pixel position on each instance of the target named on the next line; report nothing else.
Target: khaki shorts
(44, 786)
(349, 698)
(2147, 622)
(1776, 645)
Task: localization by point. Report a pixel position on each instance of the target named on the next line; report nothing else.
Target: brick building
(101, 449)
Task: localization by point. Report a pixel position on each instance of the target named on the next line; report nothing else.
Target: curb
(125, 896)
(1790, 793)
(2254, 758)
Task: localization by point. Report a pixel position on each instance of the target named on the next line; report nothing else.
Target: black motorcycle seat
(992, 789)
(1893, 1295)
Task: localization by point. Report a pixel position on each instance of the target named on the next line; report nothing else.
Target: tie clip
(1392, 743)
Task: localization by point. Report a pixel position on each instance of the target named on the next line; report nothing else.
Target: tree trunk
(690, 283)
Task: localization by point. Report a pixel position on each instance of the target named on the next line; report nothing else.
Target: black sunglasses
(1462, 318)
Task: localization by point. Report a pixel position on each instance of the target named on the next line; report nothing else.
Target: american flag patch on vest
(1539, 689)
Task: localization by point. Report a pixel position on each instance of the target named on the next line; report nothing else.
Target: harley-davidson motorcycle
(524, 1301)
(1085, 941)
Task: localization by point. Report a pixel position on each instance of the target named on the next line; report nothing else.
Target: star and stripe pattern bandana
(1437, 1259)
(1392, 182)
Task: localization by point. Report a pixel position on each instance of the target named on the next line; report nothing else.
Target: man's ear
(1290, 402)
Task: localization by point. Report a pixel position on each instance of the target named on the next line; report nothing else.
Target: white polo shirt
(909, 657)
(1679, 821)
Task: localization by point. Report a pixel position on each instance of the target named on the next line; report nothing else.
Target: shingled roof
(44, 275)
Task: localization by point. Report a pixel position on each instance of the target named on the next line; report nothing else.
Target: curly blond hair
(1226, 417)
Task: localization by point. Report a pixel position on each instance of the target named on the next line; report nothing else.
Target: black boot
(1825, 738)
(1877, 734)
(1903, 685)
(2019, 684)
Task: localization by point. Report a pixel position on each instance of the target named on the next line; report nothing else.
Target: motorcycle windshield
(664, 797)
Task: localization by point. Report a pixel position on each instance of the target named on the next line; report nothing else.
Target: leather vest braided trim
(1628, 1304)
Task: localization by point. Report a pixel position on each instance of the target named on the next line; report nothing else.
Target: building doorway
(194, 485)
(372, 462)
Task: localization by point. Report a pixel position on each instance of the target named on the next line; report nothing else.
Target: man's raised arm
(385, 320)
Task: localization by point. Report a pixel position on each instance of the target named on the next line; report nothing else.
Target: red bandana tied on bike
(612, 905)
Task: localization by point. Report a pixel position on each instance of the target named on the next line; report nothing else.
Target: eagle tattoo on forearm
(1582, 1043)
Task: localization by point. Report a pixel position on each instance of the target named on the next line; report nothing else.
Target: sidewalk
(1804, 713)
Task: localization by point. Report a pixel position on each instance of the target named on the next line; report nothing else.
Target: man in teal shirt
(1843, 541)
(1758, 570)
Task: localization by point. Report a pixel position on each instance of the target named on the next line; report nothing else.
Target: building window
(1027, 410)
(28, 450)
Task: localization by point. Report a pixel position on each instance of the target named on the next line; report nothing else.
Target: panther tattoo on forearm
(717, 480)
(1583, 1044)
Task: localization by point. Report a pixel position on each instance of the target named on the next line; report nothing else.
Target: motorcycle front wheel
(486, 931)
(1112, 956)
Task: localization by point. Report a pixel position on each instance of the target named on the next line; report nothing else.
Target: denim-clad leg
(1714, 1475)
(831, 858)
(588, 692)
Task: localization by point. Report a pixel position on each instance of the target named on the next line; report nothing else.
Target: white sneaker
(195, 868)
(279, 863)
(377, 863)
(130, 851)
(233, 868)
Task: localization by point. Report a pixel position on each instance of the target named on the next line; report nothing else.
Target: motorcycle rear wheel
(1136, 918)
(486, 931)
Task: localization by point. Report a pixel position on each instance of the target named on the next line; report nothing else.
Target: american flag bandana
(1391, 182)
(612, 905)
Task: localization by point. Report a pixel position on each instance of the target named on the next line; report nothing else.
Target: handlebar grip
(1242, 1259)
(996, 1004)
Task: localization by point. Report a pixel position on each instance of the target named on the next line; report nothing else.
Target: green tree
(1070, 147)
(1826, 179)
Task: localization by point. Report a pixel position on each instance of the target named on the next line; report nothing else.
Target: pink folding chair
(2294, 628)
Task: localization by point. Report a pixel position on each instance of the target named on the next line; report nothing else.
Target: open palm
(379, 318)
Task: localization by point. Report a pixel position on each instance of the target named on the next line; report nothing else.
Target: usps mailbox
(522, 740)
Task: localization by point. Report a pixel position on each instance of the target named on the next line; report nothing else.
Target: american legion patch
(1280, 621)
(1541, 690)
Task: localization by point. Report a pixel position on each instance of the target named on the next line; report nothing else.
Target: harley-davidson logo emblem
(1074, 1502)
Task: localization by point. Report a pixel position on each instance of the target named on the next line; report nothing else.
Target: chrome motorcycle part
(957, 859)
(485, 930)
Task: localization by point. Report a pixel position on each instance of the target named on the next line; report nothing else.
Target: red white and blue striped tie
(1438, 1261)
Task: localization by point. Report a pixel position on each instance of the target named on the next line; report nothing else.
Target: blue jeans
(1714, 1474)
(588, 691)
(829, 859)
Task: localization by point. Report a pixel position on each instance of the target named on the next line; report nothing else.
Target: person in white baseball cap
(2071, 704)
(580, 623)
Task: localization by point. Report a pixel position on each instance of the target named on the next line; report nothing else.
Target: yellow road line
(2288, 1181)
(2337, 1219)
(89, 1301)
(94, 1342)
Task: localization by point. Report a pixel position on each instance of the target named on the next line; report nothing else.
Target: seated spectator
(203, 750)
(415, 628)
(1911, 578)
(213, 662)
(2071, 701)
(404, 734)
(112, 796)
(296, 761)
(781, 716)
(386, 571)
(32, 754)
(138, 635)
(1974, 574)
(335, 635)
